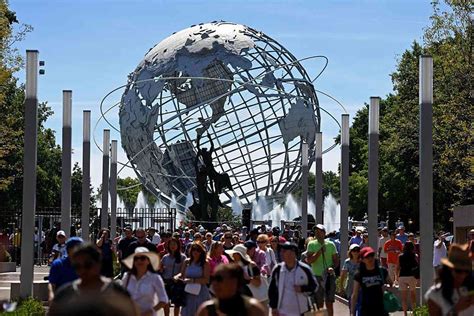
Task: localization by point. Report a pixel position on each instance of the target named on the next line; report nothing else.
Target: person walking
(227, 283)
(323, 257)
(453, 291)
(382, 255)
(91, 293)
(251, 273)
(401, 234)
(59, 249)
(393, 248)
(216, 256)
(439, 250)
(195, 274)
(370, 280)
(208, 242)
(270, 259)
(61, 271)
(170, 266)
(290, 285)
(408, 272)
(145, 287)
(357, 239)
(104, 243)
(141, 241)
(122, 247)
(349, 269)
(255, 254)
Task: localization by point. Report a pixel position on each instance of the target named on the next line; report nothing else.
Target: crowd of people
(237, 271)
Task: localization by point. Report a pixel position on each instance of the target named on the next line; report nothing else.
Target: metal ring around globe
(197, 105)
(206, 78)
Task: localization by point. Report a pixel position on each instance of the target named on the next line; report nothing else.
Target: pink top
(214, 262)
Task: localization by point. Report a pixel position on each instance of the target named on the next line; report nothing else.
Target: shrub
(421, 311)
(28, 307)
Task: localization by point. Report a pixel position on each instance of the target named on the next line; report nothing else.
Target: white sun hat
(142, 251)
(241, 250)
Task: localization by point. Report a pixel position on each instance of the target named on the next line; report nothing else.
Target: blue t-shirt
(356, 240)
(403, 238)
(61, 272)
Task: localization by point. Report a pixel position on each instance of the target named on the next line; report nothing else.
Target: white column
(373, 189)
(426, 172)
(104, 213)
(66, 163)
(304, 183)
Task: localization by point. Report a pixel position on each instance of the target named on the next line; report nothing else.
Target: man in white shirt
(290, 284)
(382, 254)
(153, 236)
(439, 250)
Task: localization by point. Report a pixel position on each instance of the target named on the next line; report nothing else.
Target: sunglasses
(228, 237)
(140, 258)
(86, 265)
(370, 256)
(355, 250)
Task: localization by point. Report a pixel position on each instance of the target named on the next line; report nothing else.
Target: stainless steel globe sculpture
(244, 89)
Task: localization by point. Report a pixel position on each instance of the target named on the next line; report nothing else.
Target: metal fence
(160, 218)
(45, 219)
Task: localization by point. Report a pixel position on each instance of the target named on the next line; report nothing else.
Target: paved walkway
(41, 272)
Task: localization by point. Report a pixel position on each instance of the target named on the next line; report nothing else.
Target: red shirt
(393, 248)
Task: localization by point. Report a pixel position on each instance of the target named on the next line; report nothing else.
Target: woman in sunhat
(251, 271)
(453, 291)
(145, 287)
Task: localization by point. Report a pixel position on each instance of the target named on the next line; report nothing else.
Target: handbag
(192, 288)
(391, 303)
(260, 293)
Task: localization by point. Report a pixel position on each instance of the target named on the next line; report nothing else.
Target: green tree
(449, 40)
(76, 195)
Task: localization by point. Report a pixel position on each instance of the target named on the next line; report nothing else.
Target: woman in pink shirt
(216, 256)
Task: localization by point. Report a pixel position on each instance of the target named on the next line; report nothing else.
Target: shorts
(407, 282)
(326, 291)
(392, 270)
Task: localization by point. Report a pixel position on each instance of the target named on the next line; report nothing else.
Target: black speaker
(246, 216)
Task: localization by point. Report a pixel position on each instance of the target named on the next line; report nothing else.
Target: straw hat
(142, 251)
(241, 250)
(458, 257)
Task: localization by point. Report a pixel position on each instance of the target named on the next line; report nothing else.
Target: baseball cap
(61, 233)
(73, 241)
(321, 227)
(353, 246)
(366, 251)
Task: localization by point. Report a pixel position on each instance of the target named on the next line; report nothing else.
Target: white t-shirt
(146, 292)
(61, 248)
(434, 294)
(156, 240)
(438, 253)
(382, 241)
(289, 305)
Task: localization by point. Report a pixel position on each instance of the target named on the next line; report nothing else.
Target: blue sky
(91, 46)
